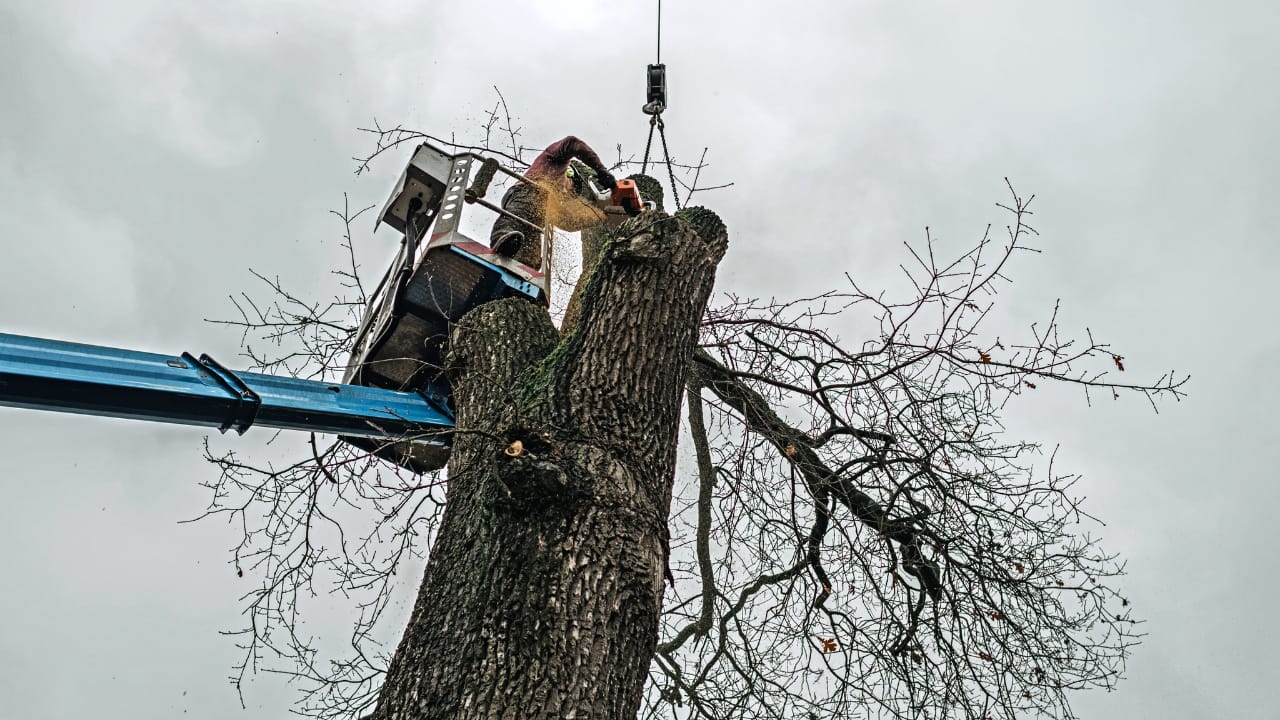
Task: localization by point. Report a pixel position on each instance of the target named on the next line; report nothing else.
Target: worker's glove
(606, 180)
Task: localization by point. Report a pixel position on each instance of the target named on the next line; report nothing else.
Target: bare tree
(853, 533)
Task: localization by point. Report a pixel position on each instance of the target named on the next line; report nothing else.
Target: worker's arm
(572, 147)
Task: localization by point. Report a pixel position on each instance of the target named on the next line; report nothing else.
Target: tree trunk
(542, 595)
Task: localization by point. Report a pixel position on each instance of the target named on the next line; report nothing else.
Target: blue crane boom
(92, 380)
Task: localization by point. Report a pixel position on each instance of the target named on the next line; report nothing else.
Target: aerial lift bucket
(438, 275)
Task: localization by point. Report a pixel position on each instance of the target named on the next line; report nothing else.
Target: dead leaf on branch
(1119, 362)
(791, 451)
(986, 359)
(828, 644)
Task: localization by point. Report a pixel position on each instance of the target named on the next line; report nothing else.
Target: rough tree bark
(542, 594)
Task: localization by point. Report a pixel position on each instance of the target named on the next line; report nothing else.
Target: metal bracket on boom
(247, 402)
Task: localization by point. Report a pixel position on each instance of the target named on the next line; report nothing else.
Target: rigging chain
(655, 121)
(644, 166)
(675, 193)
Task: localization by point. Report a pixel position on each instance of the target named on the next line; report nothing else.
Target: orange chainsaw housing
(627, 196)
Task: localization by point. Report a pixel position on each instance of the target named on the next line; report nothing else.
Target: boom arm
(92, 380)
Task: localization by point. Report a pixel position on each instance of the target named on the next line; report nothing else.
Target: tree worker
(548, 200)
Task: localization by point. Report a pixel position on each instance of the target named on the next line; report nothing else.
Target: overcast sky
(152, 151)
